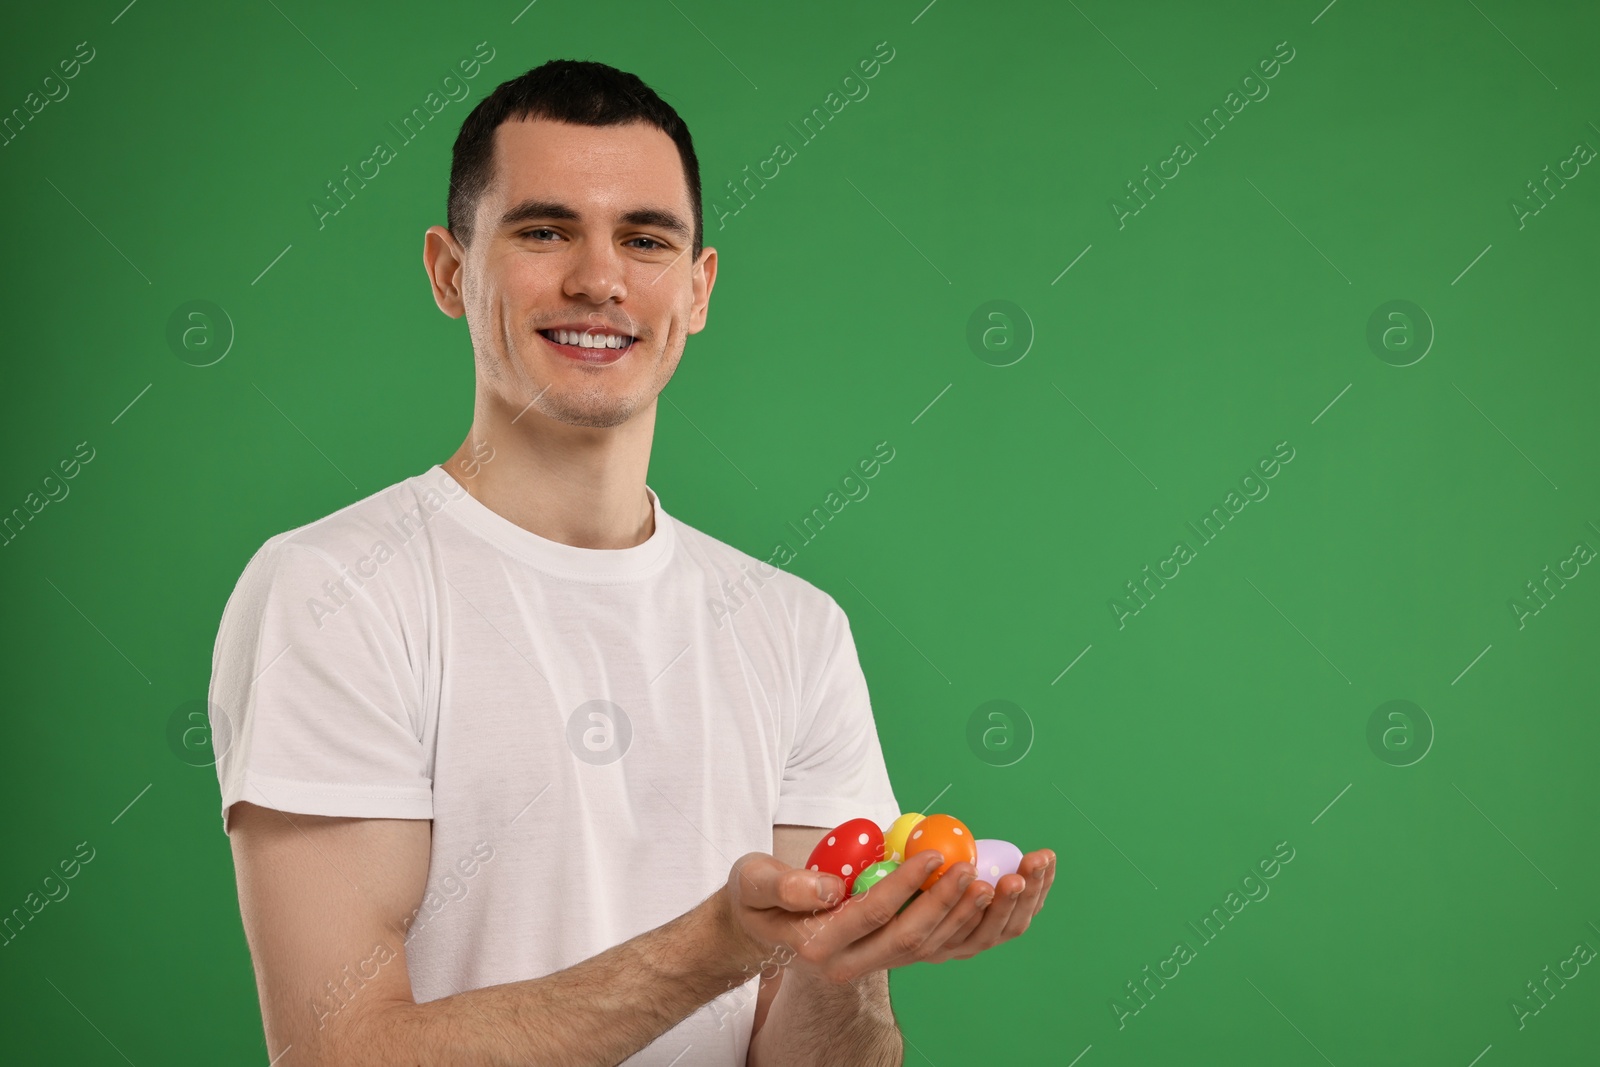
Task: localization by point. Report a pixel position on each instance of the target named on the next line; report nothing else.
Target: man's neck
(575, 485)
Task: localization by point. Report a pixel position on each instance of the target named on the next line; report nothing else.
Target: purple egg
(996, 858)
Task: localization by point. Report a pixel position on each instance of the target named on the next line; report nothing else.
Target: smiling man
(501, 790)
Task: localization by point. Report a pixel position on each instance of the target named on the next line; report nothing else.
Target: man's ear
(703, 275)
(444, 259)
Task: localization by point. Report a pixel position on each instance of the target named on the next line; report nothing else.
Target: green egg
(872, 876)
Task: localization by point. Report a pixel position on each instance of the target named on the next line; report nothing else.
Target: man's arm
(324, 903)
(801, 1020)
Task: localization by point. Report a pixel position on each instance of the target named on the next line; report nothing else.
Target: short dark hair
(562, 90)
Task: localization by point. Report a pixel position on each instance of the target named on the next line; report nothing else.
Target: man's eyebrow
(666, 220)
(533, 210)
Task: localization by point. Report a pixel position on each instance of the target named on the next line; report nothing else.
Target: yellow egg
(894, 839)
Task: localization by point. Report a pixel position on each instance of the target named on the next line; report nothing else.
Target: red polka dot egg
(847, 850)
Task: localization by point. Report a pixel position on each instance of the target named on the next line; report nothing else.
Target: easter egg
(847, 850)
(950, 836)
(894, 838)
(872, 876)
(997, 858)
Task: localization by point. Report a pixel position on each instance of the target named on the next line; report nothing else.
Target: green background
(1228, 315)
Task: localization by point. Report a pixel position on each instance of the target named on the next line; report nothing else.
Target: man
(510, 783)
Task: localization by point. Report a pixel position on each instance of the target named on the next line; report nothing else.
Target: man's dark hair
(562, 90)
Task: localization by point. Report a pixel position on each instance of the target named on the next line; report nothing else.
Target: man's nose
(596, 273)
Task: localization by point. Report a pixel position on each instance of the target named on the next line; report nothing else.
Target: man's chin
(594, 412)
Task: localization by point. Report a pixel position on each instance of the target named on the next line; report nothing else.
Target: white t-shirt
(596, 734)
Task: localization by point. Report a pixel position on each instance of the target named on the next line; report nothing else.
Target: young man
(523, 769)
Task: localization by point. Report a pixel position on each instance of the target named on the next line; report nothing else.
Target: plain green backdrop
(1161, 754)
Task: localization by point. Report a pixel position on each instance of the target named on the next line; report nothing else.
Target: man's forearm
(598, 1012)
(813, 1022)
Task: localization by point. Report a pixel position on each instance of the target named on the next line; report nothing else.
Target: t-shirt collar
(602, 565)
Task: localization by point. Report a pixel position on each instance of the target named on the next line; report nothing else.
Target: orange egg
(949, 836)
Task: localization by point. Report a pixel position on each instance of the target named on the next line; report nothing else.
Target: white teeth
(590, 340)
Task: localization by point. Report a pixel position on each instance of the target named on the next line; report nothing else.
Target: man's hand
(795, 916)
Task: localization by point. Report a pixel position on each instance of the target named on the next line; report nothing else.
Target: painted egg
(997, 858)
(847, 850)
(950, 836)
(872, 876)
(894, 838)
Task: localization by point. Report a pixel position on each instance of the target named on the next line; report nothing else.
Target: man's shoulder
(371, 530)
(749, 577)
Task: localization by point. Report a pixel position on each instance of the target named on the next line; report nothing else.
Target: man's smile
(592, 344)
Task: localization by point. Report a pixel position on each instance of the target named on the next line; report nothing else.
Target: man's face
(580, 287)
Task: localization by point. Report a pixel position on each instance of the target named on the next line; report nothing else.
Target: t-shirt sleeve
(835, 769)
(315, 706)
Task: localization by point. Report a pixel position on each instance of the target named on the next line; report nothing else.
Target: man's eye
(651, 242)
(539, 230)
